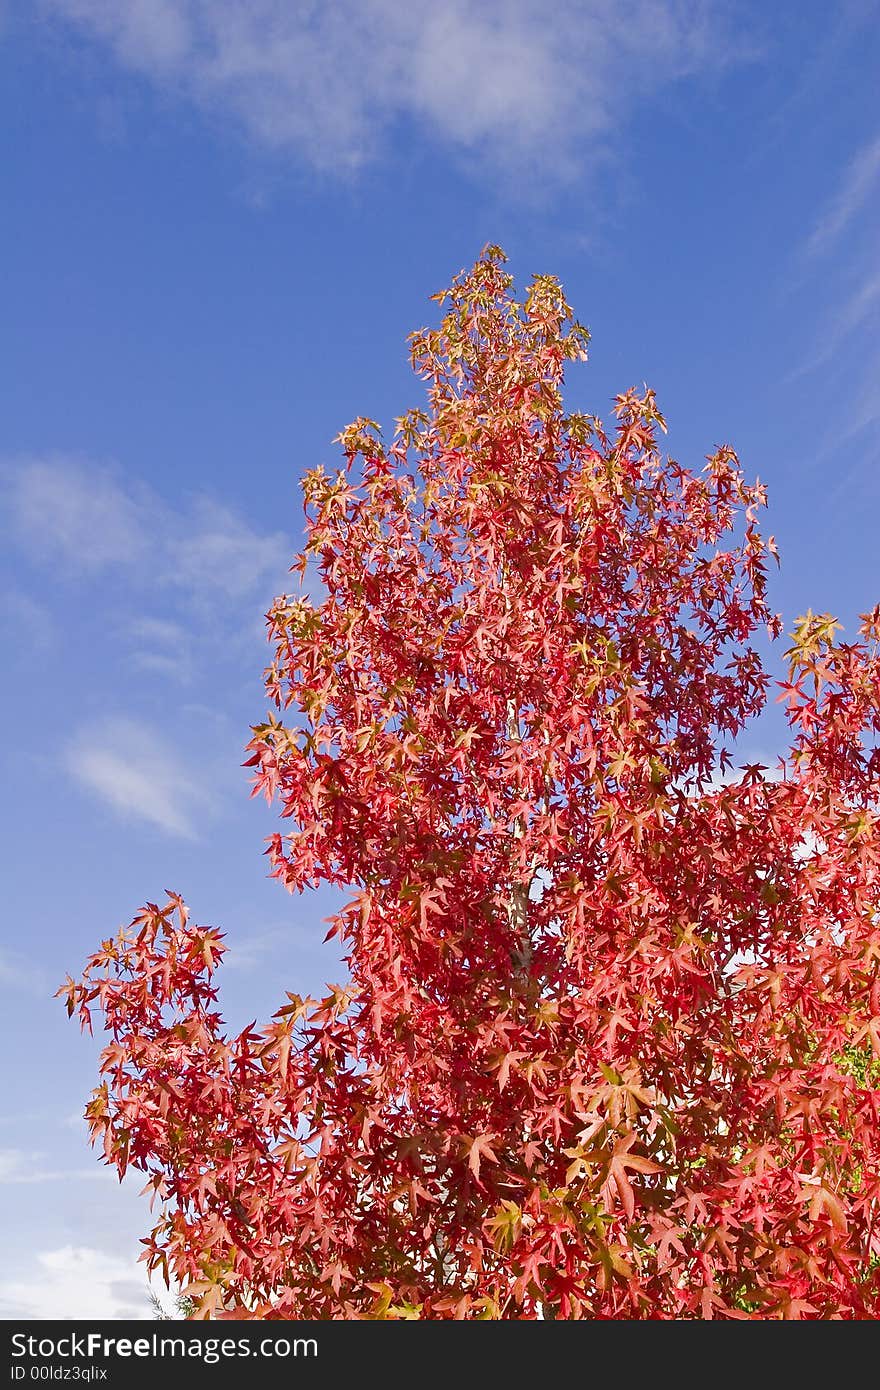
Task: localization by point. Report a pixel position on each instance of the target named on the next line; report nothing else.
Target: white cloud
(857, 308)
(173, 666)
(11, 1161)
(859, 182)
(865, 409)
(25, 622)
(246, 951)
(159, 630)
(162, 647)
(222, 556)
(139, 775)
(18, 1167)
(509, 80)
(855, 297)
(20, 974)
(92, 521)
(78, 515)
(77, 1282)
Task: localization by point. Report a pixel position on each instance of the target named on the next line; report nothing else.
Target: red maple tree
(607, 1045)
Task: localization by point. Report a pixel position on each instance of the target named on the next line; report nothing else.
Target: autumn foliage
(607, 1044)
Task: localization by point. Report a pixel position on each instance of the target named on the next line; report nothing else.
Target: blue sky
(219, 222)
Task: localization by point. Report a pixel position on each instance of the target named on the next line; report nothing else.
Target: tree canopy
(607, 1043)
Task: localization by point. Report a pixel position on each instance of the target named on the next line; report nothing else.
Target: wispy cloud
(21, 1168)
(76, 1282)
(865, 408)
(222, 556)
(859, 305)
(139, 775)
(79, 516)
(846, 339)
(850, 315)
(24, 621)
(859, 181)
(249, 950)
(210, 568)
(504, 80)
(20, 974)
(162, 647)
(162, 631)
(92, 520)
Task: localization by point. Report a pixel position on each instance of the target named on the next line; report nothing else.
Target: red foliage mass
(607, 1045)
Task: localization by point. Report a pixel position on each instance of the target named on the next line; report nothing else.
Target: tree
(606, 1048)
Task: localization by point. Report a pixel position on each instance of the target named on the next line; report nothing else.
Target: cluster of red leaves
(606, 1048)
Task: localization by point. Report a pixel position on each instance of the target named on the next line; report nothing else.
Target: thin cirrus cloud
(182, 587)
(851, 213)
(140, 776)
(75, 1281)
(857, 186)
(21, 975)
(506, 80)
(210, 569)
(162, 647)
(21, 1168)
(65, 510)
(24, 621)
(856, 308)
(90, 519)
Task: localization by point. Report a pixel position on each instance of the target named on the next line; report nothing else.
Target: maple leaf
(621, 1163)
(822, 1201)
(476, 1149)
